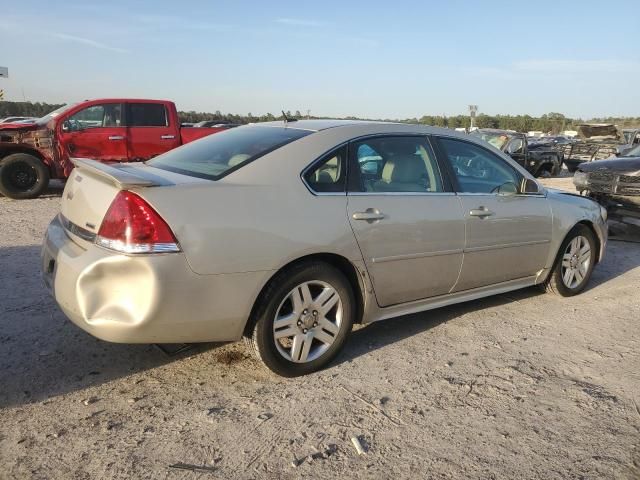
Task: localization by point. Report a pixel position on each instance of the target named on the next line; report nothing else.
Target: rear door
(96, 132)
(407, 222)
(508, 233)
(150, 130)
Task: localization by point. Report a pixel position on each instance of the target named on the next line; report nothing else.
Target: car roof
(358, 125)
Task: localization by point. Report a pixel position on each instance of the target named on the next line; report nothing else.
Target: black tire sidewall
(578, 230)
(283, 284)
(42, 174)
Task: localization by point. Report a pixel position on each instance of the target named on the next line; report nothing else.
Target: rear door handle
(481, 212)
(167, 137)
(116, 137)
(370, 215)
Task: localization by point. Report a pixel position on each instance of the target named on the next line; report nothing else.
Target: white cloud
(88, 42)
(576, 66)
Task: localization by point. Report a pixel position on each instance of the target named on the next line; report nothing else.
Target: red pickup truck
(109, 130)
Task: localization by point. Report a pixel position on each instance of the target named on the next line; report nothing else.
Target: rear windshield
(217, 155)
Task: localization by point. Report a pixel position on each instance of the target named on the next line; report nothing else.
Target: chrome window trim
(476, 194)
(400, 194)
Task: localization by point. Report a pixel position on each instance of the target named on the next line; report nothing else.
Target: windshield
(497, 139)
(634, 152)
(216, 155)
(51, 115)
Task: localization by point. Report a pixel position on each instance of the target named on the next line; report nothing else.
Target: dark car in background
(539, 161)
(598, 141)
(615, 184)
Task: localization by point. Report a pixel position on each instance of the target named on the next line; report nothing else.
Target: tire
(23, 176)
(562, 283)
(308, 334)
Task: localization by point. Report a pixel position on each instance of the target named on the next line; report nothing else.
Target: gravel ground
(523, 385)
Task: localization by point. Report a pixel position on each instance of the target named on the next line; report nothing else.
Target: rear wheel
(23, 176)
(574, 263)
(303, 319)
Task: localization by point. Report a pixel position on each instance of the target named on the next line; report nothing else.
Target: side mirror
(66, 126)
(530, 186)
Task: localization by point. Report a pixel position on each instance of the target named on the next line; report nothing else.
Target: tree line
(552, 122)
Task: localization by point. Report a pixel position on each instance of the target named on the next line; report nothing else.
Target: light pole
(473, 109)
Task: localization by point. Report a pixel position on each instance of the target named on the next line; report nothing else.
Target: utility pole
(308, 114)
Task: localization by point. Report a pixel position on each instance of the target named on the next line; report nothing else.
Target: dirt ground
(523, 385)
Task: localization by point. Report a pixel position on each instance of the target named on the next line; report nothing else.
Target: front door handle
(370, 215)
(116, 137)
(168, 137)
(481, 212)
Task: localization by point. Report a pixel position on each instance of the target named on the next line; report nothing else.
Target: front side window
(396, 164)
(478, 170)
(329, 174)
(147, 115)
(215, 156)
(96, 116)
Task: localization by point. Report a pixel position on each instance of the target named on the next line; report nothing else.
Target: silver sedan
(287, 234)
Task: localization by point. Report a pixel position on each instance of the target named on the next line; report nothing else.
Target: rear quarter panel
(259, 217)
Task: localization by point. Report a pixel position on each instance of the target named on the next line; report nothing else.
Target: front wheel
(574, 263)
(23, 176)
(303, 319)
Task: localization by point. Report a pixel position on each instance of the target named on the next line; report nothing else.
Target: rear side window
(329, 174)
(217, 155)
(147, 115)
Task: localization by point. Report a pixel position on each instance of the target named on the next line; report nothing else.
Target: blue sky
(372, 59)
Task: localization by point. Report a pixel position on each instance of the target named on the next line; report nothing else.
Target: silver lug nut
(304, 330)
(315, 324)
(305, 311)
(315, 313)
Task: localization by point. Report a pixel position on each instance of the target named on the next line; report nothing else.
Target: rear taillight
(132, 226)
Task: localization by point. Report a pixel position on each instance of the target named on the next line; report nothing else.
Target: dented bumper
(144, 298)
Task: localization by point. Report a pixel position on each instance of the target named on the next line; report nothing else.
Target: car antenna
(287, 119)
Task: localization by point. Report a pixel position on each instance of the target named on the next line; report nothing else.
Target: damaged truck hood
(600, 131)
(627, 166)
(25, 127)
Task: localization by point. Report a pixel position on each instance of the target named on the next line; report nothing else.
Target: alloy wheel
(576, 261)
(307, 321)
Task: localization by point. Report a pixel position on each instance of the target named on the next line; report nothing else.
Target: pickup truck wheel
(23, 176)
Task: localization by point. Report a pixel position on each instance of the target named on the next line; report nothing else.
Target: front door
(508, 233)
(150, 132)
(95, 132)
(408, 225)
